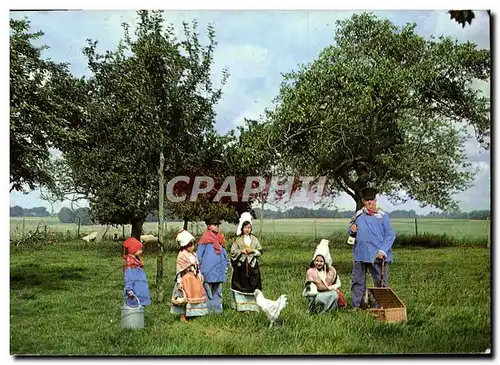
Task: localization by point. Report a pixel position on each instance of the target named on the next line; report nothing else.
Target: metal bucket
(133, 317)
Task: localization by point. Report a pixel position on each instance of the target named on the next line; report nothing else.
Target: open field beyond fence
(457, 228)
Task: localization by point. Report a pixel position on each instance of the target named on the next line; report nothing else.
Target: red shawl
(208, 237)
(131, 261)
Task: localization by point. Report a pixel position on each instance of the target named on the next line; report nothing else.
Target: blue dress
(214, 268)
(136, 280)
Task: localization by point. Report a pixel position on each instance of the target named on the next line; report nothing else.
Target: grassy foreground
(66, 298)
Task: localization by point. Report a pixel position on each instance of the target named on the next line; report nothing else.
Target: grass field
(459, 228)
(66, 298)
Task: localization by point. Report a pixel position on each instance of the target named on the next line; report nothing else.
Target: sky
(257, 47)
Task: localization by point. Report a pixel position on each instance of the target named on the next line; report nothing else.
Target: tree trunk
(357, 199)
(159, 257)
(353, 189)
(261, 217)
(137, 227)
(186, 221)
(359, 203)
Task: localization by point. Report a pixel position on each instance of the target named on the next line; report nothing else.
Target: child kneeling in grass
(322, 282)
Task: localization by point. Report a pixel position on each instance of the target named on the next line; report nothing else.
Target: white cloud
(250, 87)
(249, 113)
(245, 61)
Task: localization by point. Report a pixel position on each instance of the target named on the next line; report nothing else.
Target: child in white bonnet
(322, 282)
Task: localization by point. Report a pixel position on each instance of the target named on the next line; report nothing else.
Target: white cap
(184, 237)
(323, 250)
(245, 217)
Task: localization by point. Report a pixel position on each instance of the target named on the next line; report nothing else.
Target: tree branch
(345, 188)
(296, 134)
(351, 162)
(351, 184)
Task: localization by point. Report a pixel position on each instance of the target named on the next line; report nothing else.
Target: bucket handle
(135, 296)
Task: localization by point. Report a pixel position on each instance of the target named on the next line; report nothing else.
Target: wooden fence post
(488, 232)
(161, 235)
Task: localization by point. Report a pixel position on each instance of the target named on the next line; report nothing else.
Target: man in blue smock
(374, 239)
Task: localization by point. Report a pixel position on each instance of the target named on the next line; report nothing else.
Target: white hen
(271, 308)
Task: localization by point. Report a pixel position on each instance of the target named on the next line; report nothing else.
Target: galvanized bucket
(133, 317)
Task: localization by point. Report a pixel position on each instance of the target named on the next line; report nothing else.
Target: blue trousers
(214, 294)
(358, 282)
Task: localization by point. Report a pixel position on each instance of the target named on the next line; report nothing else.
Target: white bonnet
(245, 217)
(323, 250)
(184, 237)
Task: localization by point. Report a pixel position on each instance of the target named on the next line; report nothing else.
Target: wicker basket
(389, 307)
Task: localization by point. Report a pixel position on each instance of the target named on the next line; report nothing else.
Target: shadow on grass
(46, 279)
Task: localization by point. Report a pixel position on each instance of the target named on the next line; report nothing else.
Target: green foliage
(249, 152)
(80, 215)
(384, 107)
(242, 154)
(462, 16)
(203, 208)
(84, 216)
(216, 162)
(152, 93)
(66, 215)
(42, 112)
(45, 281)
(17, 211)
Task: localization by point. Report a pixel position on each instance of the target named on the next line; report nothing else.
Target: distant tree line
(475, 214)
(66, 215)
(171, 217)
(301, 212)
(17, 211)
